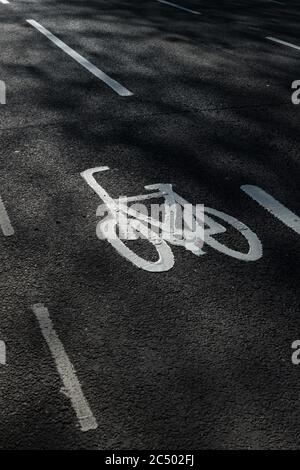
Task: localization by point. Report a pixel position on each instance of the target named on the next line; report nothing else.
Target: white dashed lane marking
(275, 1)
(179, 6)
(274, 207)
(2, 353)
(113, 84)
(284, 43)
(65, 369)
(5, 224)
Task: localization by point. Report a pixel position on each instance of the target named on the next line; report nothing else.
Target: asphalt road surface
(97, 351)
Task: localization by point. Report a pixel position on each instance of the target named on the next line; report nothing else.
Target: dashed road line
(65, 369)
(274, 207)
(5, 223)
(5, 2)
(2, 353)
(179, 6)
(2, 92)
(275, 1)
(284, 43)
(113, 84)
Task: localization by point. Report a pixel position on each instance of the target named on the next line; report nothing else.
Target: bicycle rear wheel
(165, 255)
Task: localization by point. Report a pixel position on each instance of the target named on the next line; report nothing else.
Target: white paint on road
(2, 92)
(274, 207)
(113, 84)
(284, 43)
(5, 224)
(65, 369)
(179, 6)
(275, 1)
(2, 353)
(5, 2)
(125, 222)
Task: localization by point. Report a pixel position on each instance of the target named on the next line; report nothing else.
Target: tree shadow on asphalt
(211, 111)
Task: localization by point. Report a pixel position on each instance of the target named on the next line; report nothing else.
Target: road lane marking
(113, 84)
(123, 222)
(284, 43)
(275, 208)
(5, 2)
(179, 6)
(2, 353)
(5, 224)
(2, 92)
(65, 369)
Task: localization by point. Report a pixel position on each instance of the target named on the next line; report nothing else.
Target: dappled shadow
(183, 359)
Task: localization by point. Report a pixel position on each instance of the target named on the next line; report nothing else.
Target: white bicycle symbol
(140, 223)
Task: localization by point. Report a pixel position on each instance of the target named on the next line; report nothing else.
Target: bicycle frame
(172, 203)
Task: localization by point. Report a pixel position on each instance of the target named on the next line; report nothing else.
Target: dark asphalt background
(194, 358)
